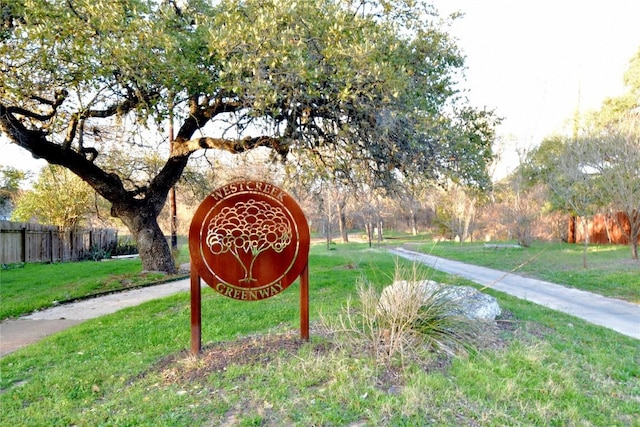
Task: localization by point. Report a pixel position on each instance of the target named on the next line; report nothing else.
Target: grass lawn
(33, 287)
(132, 367)
(610, 270)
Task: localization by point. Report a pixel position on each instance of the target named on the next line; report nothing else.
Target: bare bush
(402, 324)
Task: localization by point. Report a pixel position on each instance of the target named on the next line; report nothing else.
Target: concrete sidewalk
(17, 333)
(621, 316)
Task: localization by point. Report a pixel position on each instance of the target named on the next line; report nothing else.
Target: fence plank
(29, 242)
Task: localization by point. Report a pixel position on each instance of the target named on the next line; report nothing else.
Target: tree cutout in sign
(251, 227)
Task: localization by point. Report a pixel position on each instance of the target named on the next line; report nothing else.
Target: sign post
(248, 240)
(196, 313)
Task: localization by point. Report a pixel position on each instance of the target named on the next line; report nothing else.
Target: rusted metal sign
(248, 240)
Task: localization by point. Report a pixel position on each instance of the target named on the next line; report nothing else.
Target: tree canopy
(598, 169)
(615, 108)
(10, 179)
(58, 198)
(329, 82)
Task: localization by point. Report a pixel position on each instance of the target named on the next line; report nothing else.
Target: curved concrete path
(621, 316)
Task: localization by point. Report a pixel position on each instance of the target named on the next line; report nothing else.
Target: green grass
(33, 287)
(550, 368)
(610, 271)
(36, 286)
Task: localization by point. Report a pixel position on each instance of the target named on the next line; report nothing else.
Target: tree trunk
(173, 209)
(327, 231)
(414, 222)
(342, 223)
(585, 225)
(173, 206)
(606, 219)
(465, 230)
(571, 234)
(153, 248)
(633, 238)
(369, 228)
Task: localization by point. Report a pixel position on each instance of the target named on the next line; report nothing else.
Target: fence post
(51, 245)
(23, 242)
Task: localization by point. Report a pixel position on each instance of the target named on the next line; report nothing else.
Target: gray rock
(468, 301)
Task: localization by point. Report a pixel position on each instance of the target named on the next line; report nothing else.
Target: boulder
(467, 301)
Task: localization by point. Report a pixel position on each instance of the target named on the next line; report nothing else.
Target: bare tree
(411, 197)
(456, 211)
(570, 180)
(518, 204)
(614, 157)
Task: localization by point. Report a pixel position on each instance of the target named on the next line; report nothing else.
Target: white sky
(531, 61)
(534, 62)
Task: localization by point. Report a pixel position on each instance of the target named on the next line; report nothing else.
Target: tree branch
(60, 97)
(201, 110)
(234, 146)
(108, 185)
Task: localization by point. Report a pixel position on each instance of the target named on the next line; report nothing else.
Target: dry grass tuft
(402, 325)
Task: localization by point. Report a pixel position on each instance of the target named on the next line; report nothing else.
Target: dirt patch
(349, 266)
(253, 350)
(184, 367)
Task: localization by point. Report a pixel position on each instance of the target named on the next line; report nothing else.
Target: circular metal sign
(249, 240)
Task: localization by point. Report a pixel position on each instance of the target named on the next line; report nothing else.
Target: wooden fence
(27, 242)
(602, 229)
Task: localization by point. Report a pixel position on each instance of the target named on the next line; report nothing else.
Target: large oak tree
(334, 81)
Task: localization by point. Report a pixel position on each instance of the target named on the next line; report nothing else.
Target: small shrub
(96, 253)
(125, 246)
(11, 266)
(402, 324)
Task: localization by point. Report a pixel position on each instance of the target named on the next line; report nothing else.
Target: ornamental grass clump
(406, 320)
